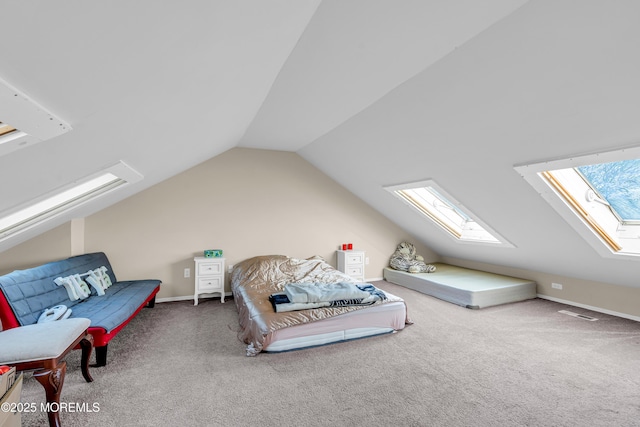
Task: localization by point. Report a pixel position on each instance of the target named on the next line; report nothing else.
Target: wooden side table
(41, 348)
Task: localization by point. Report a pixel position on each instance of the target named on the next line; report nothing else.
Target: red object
(344, 246)
(7, 318)
(4, 368)
(350, 246)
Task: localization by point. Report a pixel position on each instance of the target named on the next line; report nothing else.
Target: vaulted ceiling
(373, 93)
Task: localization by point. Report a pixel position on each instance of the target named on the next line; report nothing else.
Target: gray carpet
(521, 364)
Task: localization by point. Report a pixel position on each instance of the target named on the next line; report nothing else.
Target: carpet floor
(520, 364)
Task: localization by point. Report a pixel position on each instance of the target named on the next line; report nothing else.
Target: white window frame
(566, 190)
(51, 205)
(471, 230)
(33, 123)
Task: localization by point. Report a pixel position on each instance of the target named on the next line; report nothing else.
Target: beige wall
(247, 202)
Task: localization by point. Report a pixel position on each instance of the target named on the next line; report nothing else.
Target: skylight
(434, 203)
(6, 129)
(24, 121)
(12, 138)
(53, 204)
(619, 184)
(598, 195)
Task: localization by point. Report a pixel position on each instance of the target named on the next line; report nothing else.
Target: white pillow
(81, 287)
(68, 285)
(106, 279)
(95, 282)
(59, 312)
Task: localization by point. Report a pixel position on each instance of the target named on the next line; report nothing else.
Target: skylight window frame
(591, 217)
(6, 129)
(32, 122)
(119, 175)
(467, 233)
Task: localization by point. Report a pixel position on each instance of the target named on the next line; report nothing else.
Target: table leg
(87, 347)
(52, 381)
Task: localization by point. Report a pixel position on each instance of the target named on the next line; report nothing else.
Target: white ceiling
(354, 52)
(373, 93)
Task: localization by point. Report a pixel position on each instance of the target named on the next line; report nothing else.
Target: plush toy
(405, 258)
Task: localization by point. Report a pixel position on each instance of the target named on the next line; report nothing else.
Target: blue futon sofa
(25, 294)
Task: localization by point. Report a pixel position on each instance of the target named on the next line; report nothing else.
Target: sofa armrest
(8, 319)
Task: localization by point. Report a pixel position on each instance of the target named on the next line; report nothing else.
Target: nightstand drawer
(357, 258)
(210, 283)
(209, 268)
(355, 270)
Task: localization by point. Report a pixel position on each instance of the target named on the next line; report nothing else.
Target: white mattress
(374, 320)
(466, 287)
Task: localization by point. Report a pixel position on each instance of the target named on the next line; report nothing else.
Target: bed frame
(466, 287)
(375, 320)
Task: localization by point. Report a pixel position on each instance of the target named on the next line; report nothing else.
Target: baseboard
(588, 307)
(190, 297)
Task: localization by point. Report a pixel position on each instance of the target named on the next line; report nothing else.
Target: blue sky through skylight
(619, 184)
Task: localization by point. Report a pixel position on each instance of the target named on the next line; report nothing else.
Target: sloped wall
(49, 246)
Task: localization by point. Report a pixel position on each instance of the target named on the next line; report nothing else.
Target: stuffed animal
(405, 258)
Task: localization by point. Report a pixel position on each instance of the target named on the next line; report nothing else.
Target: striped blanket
(366, 294)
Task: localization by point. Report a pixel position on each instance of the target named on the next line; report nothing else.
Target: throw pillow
(58, 312)
(68, 285)
(95, 282)
(81, 287)
(105, 277)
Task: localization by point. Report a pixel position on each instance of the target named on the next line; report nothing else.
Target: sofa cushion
(120, 301)
(30, 291)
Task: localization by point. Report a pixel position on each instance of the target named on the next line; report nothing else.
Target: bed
(463, 286)
(254, 280)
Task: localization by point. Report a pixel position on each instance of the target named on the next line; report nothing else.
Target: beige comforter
(253, 280)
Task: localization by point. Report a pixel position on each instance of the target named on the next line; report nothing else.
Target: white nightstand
(351, 263)
(209, 275)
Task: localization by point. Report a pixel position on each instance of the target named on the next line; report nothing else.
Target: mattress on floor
(466, 287)
(262, 328)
